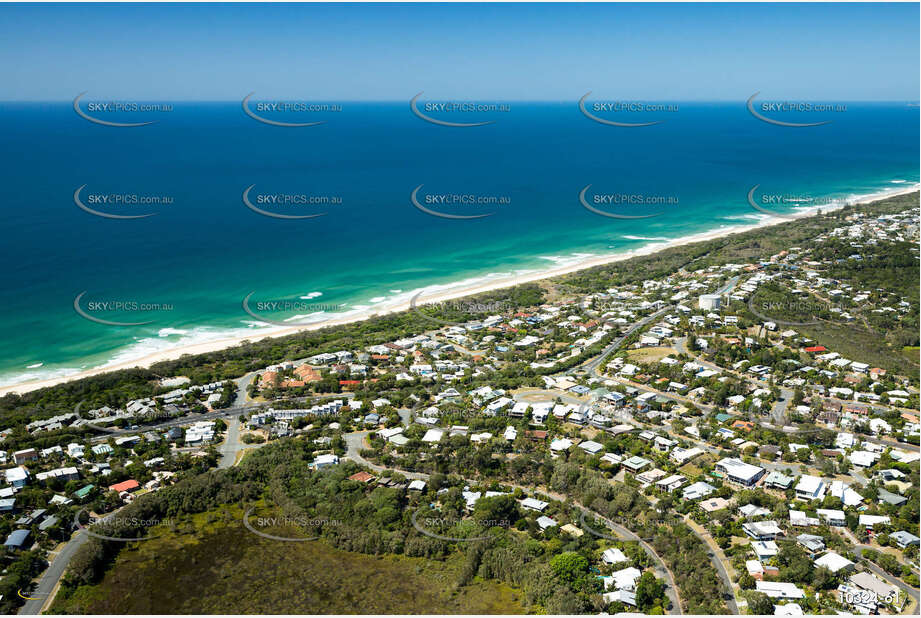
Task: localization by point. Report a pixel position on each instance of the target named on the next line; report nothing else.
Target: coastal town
(491, 308)
(793, 461)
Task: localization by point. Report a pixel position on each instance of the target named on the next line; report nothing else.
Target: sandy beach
(425, 298)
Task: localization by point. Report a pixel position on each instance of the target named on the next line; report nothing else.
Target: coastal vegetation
(345, 515)
(208, 563)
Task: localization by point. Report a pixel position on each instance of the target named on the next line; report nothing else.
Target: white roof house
(833, 562)
(779, 590)
(799, 518)
(740, 472)
(765, 549)
(698, 490)
(590, 447)
(810, 488)
(753, 567)
(843, 492)
(833, 517)
(398, 439)
(753, 510)
(519, 409)
(625, 579)
(324, 460)
(561, 444)
(863, 459)
(433, 435)
(681, 455)
(868, 521)
(627, 597)
(16, 475)
(762, 530)
(534, 504)
(671, 483)
(613, 556)
(388, 433)
(545, 522)
(788, 609)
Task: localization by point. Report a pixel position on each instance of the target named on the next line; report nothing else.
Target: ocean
(184, 271)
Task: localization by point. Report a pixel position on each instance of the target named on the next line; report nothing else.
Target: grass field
(650, 355)
(212, 564)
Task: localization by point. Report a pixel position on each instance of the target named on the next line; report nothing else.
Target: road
(664, 573)
(242, 397)
(719, 561)
(232, 445)
(231, 412)
(592, 365)
(52, 575)
(49, 580)
(911, 592)
(355, 442)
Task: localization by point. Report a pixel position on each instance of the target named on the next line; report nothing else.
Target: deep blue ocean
(205, 250)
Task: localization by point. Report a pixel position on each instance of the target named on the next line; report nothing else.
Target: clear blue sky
(460, 52)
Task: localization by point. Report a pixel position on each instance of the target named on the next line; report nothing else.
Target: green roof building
(82, 493)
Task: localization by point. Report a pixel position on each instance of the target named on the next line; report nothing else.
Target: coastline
(452, 292)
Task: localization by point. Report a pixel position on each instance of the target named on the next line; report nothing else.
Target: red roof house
(129, 485)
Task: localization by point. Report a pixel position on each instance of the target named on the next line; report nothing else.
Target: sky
(485, 52)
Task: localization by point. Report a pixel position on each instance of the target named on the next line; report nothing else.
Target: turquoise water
(201, 254)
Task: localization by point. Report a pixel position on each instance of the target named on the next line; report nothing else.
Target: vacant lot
(212, 564)
(649, 355)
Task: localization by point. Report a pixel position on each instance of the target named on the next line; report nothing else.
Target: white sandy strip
(450, 294)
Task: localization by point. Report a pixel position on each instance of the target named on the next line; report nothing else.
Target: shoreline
(455, 291)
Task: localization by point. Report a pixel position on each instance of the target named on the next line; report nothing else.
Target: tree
(570, 567)
(795, 564)
(760, 604)
(824, 579)
(648, 591)
(496, 511)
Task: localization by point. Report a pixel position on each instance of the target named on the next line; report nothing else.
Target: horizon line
(460, 99)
